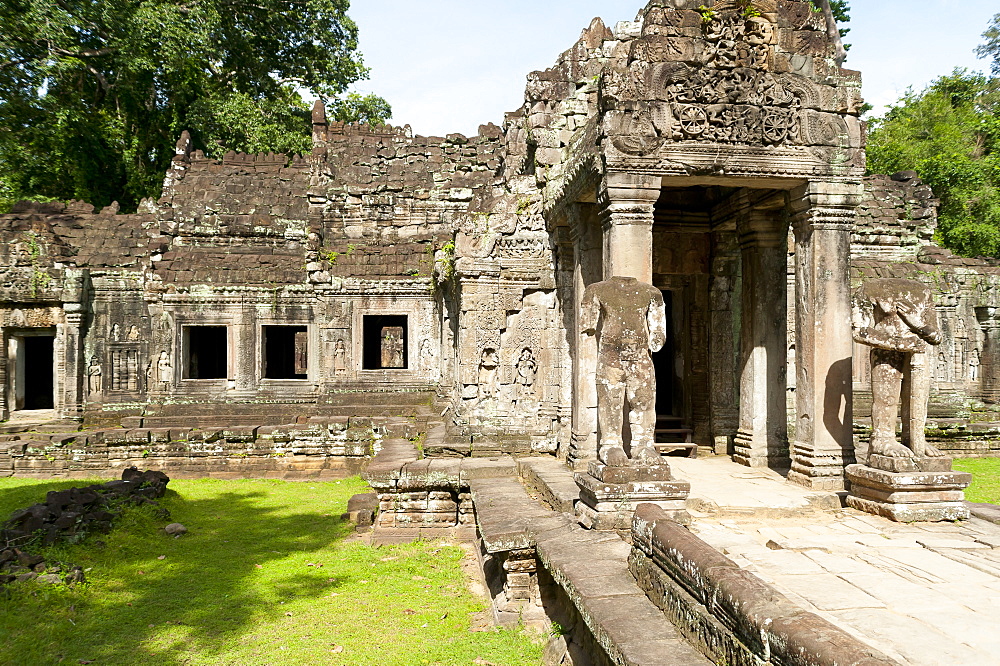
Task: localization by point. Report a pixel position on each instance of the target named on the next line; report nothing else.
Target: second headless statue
(629, 319)
(899, 322)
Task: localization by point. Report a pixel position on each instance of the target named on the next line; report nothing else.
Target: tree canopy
(94, 93)
(949, 133)
(991, 47)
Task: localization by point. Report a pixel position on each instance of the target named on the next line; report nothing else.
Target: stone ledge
(736, 617)
(552, 479)
(983, 511)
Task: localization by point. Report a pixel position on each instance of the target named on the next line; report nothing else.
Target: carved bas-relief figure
(525, 371)
(340, 357)
(392, 347)
(629, 319)
(974, 363)
(908, 480)
(489, 362)
(94, 377)
(164, 371)
(902, 324)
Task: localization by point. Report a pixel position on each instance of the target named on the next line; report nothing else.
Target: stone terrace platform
(922, 593)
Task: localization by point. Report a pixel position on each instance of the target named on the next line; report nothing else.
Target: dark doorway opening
(286, 352)
(38, 366)
(207, 352)
(385, 342)
(664, 362)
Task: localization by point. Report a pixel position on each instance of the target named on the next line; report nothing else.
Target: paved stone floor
(923, 593)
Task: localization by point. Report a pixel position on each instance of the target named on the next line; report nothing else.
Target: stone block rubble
(71, 515)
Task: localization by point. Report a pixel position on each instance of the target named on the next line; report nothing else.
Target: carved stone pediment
(726, 77)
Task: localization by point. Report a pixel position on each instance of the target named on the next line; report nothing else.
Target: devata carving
(392, 347)
(525, 369)
(897, 319)
(629, 319)
(94, 376)
(340, 357)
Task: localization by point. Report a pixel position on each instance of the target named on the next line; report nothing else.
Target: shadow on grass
(243, 556)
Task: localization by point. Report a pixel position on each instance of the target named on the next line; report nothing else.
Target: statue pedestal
(906, 490)
(609, 495)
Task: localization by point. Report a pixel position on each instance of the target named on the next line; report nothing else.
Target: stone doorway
(31, 355)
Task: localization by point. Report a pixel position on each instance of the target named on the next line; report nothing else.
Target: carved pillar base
(609, 495)
(908, 490)
(582, 450)
(819, 468)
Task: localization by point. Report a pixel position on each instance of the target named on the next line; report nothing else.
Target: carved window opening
(207, 352)
(286, 352)
(33, 362)
(385, 342)
(529, 160)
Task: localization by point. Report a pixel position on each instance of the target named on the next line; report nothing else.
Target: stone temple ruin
(293, 316)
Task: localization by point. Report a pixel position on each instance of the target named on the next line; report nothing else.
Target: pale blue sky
(451, 65)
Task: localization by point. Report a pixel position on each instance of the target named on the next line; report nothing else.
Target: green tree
(950, 134)
(94, 93)
(991, 48)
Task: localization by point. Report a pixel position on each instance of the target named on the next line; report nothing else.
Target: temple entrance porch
(718, 248)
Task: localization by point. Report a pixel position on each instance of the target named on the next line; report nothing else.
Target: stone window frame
(180, 355)
(314, 350)
(411, 308)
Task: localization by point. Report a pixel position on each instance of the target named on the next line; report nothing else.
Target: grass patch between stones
(985, 478)
(267, 574)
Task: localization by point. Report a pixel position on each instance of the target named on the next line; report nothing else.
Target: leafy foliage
(841, 12)
(93, 95)
(991, 48)
(950, 134)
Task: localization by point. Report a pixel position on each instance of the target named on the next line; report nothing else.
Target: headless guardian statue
(897, 319)
(629, 319)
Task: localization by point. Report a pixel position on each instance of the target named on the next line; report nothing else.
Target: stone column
(243, 360)
(762, 438)
(587, 268)
(626, 208)
(823, 216)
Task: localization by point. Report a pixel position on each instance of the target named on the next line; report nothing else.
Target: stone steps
(608, 615)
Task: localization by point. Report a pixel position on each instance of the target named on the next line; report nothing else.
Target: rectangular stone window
(206, 351)
(286, 352)
(385, 341)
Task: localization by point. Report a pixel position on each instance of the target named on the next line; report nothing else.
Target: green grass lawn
(985, 478)
(267, 574)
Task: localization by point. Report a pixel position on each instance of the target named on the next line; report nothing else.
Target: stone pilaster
(823, 216)
(722, 360)
(626, 210)
(989, 357)
(71, 364)
(762, 438)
